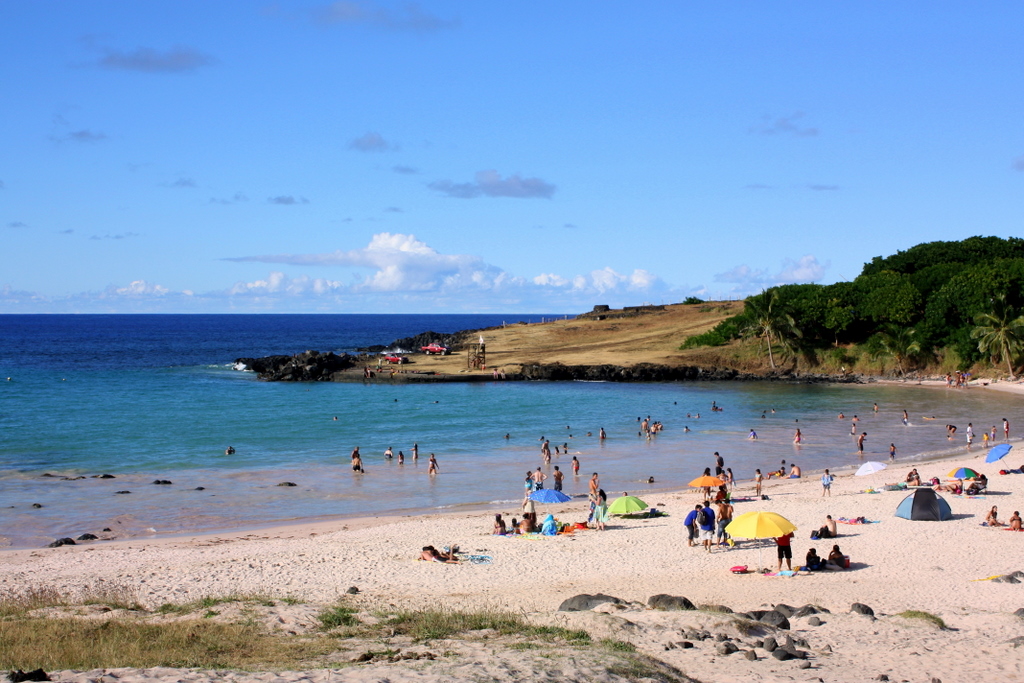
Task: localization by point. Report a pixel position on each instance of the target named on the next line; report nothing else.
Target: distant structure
(476, 356)
(603, 312)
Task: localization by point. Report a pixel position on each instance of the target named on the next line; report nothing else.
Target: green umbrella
(626, 505)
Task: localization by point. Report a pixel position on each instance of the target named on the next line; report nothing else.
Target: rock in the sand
(584, 602)
(61, 541)
(785, 610)
(805, 665)
(686, 645)
(162, 482)
(881, 677)
(670, 602)
(19, 676)
(726, 648)
(770, 644)
(776, 619)
(751, 655)
(716, 608)
(1019, 613)
(287, 483)
(1016, 642)
(755, 614)
(87, 537)
(352, 590)
(861, 608)
(807, 610)
(1006, 578)
(814, 621)
(781, 655)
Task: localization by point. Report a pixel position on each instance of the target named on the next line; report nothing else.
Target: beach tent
(924, 504)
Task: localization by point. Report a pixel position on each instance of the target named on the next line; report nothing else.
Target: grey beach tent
(924, 504)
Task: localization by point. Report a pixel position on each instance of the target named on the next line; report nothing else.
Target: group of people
(707, 526)
(1013, 523)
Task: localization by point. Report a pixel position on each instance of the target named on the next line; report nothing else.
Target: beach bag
(703, 518)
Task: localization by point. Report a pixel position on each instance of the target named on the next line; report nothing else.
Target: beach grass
(923, 616)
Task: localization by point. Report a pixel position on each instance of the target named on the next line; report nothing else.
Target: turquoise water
(142, 421)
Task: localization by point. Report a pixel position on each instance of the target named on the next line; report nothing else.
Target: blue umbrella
(998, 453)
(549, 496)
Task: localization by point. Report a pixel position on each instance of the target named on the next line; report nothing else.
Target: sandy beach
(897, 565)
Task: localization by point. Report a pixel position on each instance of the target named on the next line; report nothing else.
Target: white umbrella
(871, 467)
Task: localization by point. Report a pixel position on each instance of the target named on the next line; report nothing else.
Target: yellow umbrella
(706, 482)
(759, 525)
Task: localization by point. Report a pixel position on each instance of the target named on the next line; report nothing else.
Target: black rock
(106, 528)
(669, 602)
(881, 677)
(287, 483)
(87, 537)
(751, 655)
(807, 610)
(686, 645)
(61, 541)
(199, 488)
(814, 621)
(805, 665)
(861, 608)
(726, 648)
(584, 602)
(352, 590)
(717, 608)
(782, 655)
(721, 637)
(770, 644)
(308, 366)
(785, 610)
(756, 614)
(1019, 613)
(19, 676)
(775, 619)
(48, 475)
(162, 482)
(36, 505)
(106, 476)
(122, 492)
(1006, 578)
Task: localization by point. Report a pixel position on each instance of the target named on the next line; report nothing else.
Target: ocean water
(154, 397)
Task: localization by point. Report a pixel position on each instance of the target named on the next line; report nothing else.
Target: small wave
(240, 366)
(502, 502)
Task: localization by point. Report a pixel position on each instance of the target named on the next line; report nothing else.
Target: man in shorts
(692, 532)
(826, 484)
(706, 521)
(785, 551)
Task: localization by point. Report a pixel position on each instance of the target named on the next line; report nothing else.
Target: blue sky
(475, 157)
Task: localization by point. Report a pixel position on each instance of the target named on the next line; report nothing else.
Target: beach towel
(783, 573)
(857, 520)
(477, 559)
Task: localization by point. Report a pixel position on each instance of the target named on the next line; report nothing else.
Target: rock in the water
(122, 492)
(61, 541)
(770, 644)
(19, 676)
(106, 476)
(87, 537)
(781, 655)
(726, 648)
(200, 488)
(36, 505)
(584, 602)
(669, 602)
(775, 619)
(308, 366)
(107, 528)
(814, 621)
(162, 482)
(287, 483)
(861, 608)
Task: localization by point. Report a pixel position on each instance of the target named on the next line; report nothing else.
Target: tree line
(930, 301)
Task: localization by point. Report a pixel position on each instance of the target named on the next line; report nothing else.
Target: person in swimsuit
(357, 461)
(1015, 521)
(757, 482)
(499, 525)
(432, 554)
(432, 465)
(993, 517)
(575, 467)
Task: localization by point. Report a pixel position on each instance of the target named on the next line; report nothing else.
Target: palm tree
(1001, 332)
(769, 323)
(898, 342)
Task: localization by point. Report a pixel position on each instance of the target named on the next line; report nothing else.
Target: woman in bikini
(1015, 521)
(993, 519)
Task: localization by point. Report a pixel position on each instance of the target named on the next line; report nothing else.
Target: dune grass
(923, 616)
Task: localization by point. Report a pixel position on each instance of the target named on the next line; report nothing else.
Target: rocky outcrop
(455, 341)
(308, 366)
(649, 372)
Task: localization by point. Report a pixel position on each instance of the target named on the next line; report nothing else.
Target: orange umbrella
(706, 482)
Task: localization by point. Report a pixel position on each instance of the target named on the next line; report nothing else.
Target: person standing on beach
(757, 483)
(720, 462)
(706, 520)
(538, 479)
(724, 517)
(575, 467)
(595, 486)
(1006, 429)
(432, 465)
(826, 484)
(692, 530)
(785, 551)
(558, 475)
(860, 442)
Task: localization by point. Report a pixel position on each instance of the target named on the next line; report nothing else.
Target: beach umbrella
(871, 467)
(998, 453)
(706, 482)
(963, 473)
(549, 496)
(759, 525)
(625, 505)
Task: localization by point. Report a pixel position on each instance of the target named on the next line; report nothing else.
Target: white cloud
(804, 270)
(489, 183)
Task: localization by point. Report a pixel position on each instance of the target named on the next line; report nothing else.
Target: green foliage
(923, 616)
(336, 616)
(1000, 333)
(969, 251)
(720, 335)
(769, 321)
(693, 300)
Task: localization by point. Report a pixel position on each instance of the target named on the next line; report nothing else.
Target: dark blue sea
(155, 397)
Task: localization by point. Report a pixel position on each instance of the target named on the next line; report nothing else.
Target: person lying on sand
(432, 554)
(955, 489)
